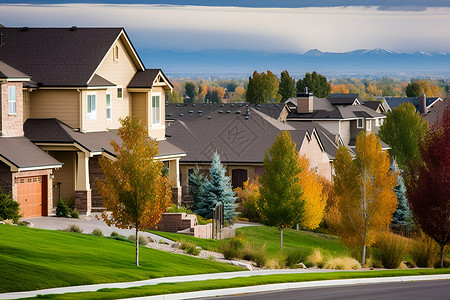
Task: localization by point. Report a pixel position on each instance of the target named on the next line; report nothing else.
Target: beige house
(81, 82)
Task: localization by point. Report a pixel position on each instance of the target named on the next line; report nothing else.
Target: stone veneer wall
(95, 172)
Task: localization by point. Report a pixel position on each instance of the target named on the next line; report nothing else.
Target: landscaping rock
(176, 245)
(301, 266)
(240, 264)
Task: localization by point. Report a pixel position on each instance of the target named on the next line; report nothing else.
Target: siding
(317, 158)
(139, 106)
(65, 175)
(61, 104)
(345, 131)
(26, 105)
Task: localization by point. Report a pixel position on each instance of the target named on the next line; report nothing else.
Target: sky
(290, 26)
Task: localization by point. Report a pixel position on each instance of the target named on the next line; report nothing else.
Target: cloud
(295, 30)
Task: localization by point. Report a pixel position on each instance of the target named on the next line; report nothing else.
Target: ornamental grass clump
(344, 263)
(294, 257)
(255, 253)
(142, 239)
(390, 250)
(424, 251)
(315, 258)
(232, 248)
(190, 247)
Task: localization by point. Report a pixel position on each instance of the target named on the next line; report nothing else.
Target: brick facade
(83, 201)
(95, 172)
(5, 178)
(11, 124)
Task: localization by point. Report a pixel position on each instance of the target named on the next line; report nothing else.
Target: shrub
(181, 209)
(97, 232)
(390, 250)
(232, 248)
(345, 263)
(75, 214)
(276, 262)
(62, 210)
(74, 228)
(114, 233)
(247, 197)
(256, 254)
(424, 251)
(203, 221)
(9, 209)
(142, 239)
(190, 248)
(315, 258)
(294, 257)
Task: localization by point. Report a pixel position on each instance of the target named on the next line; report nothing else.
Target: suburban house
(71, 87)
(423, 103)
(344, 117)
(240, 134)
(436, 112)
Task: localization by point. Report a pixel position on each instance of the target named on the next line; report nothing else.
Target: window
(360, 123)
(156, 111)
(108, 105)
(116, 53)
(368, 125)
(11, 100)
(91, 107)
(377, 122)
(119, 93)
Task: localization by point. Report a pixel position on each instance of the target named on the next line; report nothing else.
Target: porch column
(82, 187)
(174, 174)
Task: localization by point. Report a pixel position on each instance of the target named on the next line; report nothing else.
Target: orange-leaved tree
(315, 201)
(248, 196)
(364, 187)
(134, 189)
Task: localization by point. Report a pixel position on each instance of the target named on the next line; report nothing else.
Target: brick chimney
(423, 104)
(305, 103)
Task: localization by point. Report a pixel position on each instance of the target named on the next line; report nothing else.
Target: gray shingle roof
(56, 56)
(395, 102)
(22, 153)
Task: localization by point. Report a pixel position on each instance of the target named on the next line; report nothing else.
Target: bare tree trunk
(441, 260)
(364, 255)
(281, 241)
(137, 245)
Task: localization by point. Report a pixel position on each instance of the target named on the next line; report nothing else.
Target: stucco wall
(65, 175)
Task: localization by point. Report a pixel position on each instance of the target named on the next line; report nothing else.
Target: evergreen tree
(402, 216)
(196, 180)
(217, 189)
(316, 83)
(287, 86)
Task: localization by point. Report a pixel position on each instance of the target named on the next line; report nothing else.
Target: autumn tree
(191, 90)
(280, 203)
(428, 185)
(203, 90)
(315, 201)
(174, 97)
(364, 187)
(134, 189)
(316, 83)
(248, 196)
(401, 131)
(287, 86)
(262, 88)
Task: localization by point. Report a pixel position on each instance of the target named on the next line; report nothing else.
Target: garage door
(29, 195)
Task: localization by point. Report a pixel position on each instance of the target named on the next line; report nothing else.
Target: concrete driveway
(88, 224)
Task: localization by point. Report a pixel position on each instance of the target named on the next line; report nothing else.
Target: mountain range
(361, 62)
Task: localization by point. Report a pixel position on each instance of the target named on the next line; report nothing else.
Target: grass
(179, 287)
(33, 259)
(205, 244)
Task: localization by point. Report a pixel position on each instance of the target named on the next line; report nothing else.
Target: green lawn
(180, 287)
(34, 259)
(206, 244)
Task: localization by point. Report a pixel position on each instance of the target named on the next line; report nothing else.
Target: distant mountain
(362, 61)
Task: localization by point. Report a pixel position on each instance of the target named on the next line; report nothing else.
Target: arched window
(116, 53)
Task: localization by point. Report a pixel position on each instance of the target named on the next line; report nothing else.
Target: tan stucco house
(76, 85)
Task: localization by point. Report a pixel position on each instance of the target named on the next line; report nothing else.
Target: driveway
(88, 224)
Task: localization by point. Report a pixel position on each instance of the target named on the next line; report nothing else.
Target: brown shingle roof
(22, 153)
(6, 71)
(144, 79)
(98, 80)
(56, 56)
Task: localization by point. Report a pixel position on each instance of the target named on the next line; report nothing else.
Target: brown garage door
(29, 195)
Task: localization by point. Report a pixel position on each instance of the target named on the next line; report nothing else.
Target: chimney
(422, 104)
(304, 103)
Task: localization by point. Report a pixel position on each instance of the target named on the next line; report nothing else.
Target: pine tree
(196, 180)
(402, 215)
(217, 189)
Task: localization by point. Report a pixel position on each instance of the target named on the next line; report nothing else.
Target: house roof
(146, 78)
(395, 102)
(6, 72)
(58, 57)
(344, 99)
(21, 153)
(437, 111)
(97, 80)
(375, 104)
(55, 131)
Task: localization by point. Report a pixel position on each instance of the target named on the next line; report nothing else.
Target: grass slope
(206, 244)
(34, 259)
(180, 287)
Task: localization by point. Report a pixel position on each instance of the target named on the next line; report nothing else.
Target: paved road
(436, 290)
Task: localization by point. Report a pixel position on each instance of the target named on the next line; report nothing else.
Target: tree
(403, 215)
(134, 189)
(196, 180)
(191, 90)
(413, 90)
(401, 131)
(287, 86)
(316, 83)
(365, 192)
(262, 87)
(427, 184)
(315, 201)
(217, 189)
(9, 209)
(280, 204)
(248, 195)
(174, 97)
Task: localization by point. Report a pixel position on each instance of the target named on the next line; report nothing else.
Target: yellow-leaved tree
(248, 196)
(364, 189)
(134, 189)
(315, 201)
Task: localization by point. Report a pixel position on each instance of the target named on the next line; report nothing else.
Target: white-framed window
(11, 100)
(119, 92)
(377, 122)
(156, 109)
(368, 125)
(92, 106)
(116, 53)
(360, 123)
(108, 105)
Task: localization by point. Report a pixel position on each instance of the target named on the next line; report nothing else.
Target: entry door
(29, 196)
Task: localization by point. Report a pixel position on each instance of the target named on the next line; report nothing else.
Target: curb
(288, 286)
